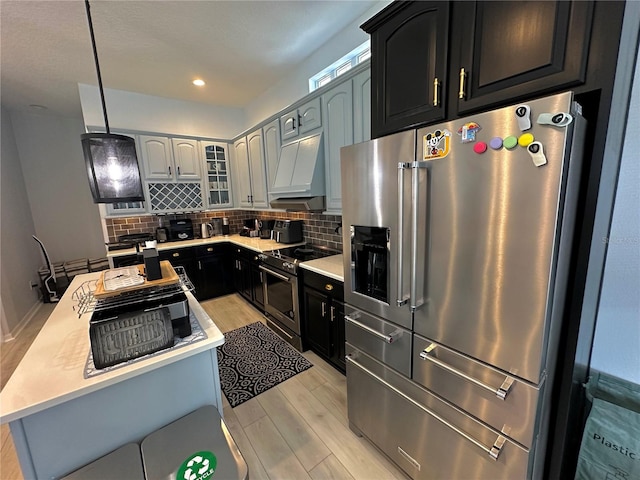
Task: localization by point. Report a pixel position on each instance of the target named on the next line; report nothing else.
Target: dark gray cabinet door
(503, 50)
(409, 42)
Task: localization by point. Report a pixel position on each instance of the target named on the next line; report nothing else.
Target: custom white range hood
(299, 181)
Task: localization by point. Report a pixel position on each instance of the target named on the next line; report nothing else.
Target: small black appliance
(181, 229)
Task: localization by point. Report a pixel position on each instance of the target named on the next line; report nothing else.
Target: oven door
(281, 298)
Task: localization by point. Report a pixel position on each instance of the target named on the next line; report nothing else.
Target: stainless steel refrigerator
(457, 241)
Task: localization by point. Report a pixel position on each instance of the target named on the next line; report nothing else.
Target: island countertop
(52, 370)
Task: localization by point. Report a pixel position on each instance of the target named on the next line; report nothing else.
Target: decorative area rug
(197, 334)
(254, 359)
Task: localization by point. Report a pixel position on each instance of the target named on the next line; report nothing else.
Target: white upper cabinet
(257, 169)
(242, 185)
(303, 119)
(271, 139)
(362, 106)
(218, 179)
(170, 159)
(337, 106)
(250, 185)
(157, 158)
(186, 154)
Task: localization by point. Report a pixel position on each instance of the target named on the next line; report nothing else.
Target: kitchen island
(60, 420)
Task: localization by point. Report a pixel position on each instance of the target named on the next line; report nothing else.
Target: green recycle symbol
(200, 465)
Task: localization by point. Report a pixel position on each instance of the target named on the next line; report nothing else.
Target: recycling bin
(195, 447)
(125, 462)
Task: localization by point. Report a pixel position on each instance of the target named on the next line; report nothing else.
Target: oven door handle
(277, 275)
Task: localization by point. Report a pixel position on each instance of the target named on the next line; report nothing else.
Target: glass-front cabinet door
(218, 179)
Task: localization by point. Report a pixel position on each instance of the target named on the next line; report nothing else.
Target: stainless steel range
(281, 289)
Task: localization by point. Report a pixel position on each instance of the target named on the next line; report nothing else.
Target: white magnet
(556, 119)
(537, 154)
(523, 114)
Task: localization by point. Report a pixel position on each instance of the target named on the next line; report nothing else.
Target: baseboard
(23, 323)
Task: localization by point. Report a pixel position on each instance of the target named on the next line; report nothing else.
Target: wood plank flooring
(296, 430)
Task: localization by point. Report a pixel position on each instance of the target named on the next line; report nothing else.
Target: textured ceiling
(240, 48)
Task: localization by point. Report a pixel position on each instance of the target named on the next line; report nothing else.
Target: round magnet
(495, 143)
(510, 142)
(525, 139)
(480, 147)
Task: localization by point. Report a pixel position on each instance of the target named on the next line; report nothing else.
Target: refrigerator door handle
(390, 338)
(493, 451)
(401, 298)
(415, 186)
(500, 392)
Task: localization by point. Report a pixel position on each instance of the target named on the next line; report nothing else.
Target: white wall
(296, 84)
(135, 111)
(20, 256)
(616, 348)
(63, 212)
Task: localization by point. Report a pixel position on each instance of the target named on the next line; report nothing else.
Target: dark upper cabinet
(432, 61)
(504, 50)
(408, 64)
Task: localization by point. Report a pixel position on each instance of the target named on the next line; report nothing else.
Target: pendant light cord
(95, 56)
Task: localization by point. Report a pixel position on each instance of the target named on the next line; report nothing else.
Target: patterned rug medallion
(254, 359)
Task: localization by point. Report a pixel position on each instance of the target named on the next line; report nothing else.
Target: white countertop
(52, 370)
(328, 266)
(253, 243)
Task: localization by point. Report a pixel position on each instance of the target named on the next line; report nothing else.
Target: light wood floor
(296, 430)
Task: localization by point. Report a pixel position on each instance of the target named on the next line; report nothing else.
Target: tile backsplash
(318, 229)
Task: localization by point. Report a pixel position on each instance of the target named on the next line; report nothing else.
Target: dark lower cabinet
(207, 266)
(323, 317)
(183, 257)
(214, 274)
(247, 277)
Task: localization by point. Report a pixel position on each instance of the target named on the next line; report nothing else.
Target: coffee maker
(267, 228)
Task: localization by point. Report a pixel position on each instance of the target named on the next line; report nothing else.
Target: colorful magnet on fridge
(480, 147)
(525, 139)
(495, 143)
(510, 142)
(468, 132)
(555, 119)
(537, 154)
(523, 115)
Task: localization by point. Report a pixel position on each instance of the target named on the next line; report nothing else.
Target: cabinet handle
(210, 249)
(175, 254)
(333, 313)
(436, 94)
(178, 169)
(261, 279)
(248, 199)
(323, 309)
(169, 170)
(299, 121)
(463, 76)
(199, 265)
(293, 119)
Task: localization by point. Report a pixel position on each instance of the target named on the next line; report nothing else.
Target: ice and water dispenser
(370, 254)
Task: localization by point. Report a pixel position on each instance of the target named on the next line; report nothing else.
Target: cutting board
(169, 277)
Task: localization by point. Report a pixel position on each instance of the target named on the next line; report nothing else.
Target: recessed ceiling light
(198, 82)
(37, 107)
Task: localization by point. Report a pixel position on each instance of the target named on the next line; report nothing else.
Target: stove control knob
(262, 257)
(287, 265)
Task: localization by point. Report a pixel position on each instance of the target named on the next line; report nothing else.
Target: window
(343, 65)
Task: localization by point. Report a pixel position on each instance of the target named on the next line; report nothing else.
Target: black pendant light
(112, 165)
